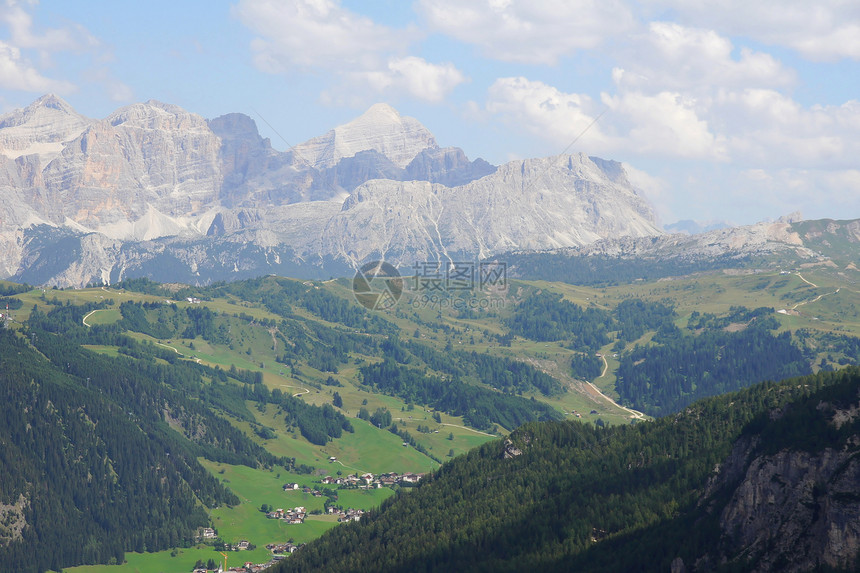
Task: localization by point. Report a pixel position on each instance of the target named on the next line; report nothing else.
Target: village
(368, 480)
(298, 514)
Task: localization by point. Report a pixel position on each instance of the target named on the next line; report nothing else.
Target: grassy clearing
(254, 488)
(166, 562)
(375, 451)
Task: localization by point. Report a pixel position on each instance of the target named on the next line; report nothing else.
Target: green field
(181, 562)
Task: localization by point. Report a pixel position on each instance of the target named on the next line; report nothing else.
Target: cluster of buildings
(368, 480)
(347, 515)
(248, 567)
(282, 548)
(295, 516)
(297, 487)
(209, 533)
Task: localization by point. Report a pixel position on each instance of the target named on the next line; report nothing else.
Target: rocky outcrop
(40, 129)
(448, 166)
(796, 511)
(792, 510)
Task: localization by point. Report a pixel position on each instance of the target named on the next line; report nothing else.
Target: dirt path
(89, 314)
(816, 299)
(194, 358)
(605, 366)
(349, 467)
(470, 429)
(633, 413)
(806, 281)
(306, 391)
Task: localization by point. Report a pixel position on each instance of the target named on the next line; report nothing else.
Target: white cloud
(25, 41)
(664, 124)
(20, 24)
(417, 77)
(817, 193)
(673, 57)
(17, 73)
(321, 35)
(307, 34)
(766, 127)
(544, 110)
(529, 31)
(686, 93)
(821, 31)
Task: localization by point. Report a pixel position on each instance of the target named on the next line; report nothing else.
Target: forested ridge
(562, 496)
(665, 377)
(95, 478)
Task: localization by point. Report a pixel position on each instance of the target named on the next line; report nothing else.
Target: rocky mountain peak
(235, 126)
(156, 115)
(381, 128)
(41, 128)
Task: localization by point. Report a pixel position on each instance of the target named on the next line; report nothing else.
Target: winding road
(633, 413)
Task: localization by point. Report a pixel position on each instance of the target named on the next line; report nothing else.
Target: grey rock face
(379, 186)
(448, 166)
(533, 204)
(41, 128)
(791, 510)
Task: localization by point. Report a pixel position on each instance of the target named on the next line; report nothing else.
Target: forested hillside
(272, 380)
(566, 496)
(85, 475)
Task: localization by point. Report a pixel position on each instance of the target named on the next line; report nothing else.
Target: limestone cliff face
(791, 510)
(796, 511)
(40, 129)
(141, 157)
(534, 204)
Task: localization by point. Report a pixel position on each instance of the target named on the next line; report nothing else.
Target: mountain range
(153, 187)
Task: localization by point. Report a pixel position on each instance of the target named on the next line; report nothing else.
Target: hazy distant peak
(381, 128)
(40, 129)
(52, 101)
(380, 112)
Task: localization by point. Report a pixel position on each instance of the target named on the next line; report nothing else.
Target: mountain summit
(40, 128)
(381, 128)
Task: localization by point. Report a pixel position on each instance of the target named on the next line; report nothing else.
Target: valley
(280, 343)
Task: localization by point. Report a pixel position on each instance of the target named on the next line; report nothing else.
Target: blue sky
(741, 112)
